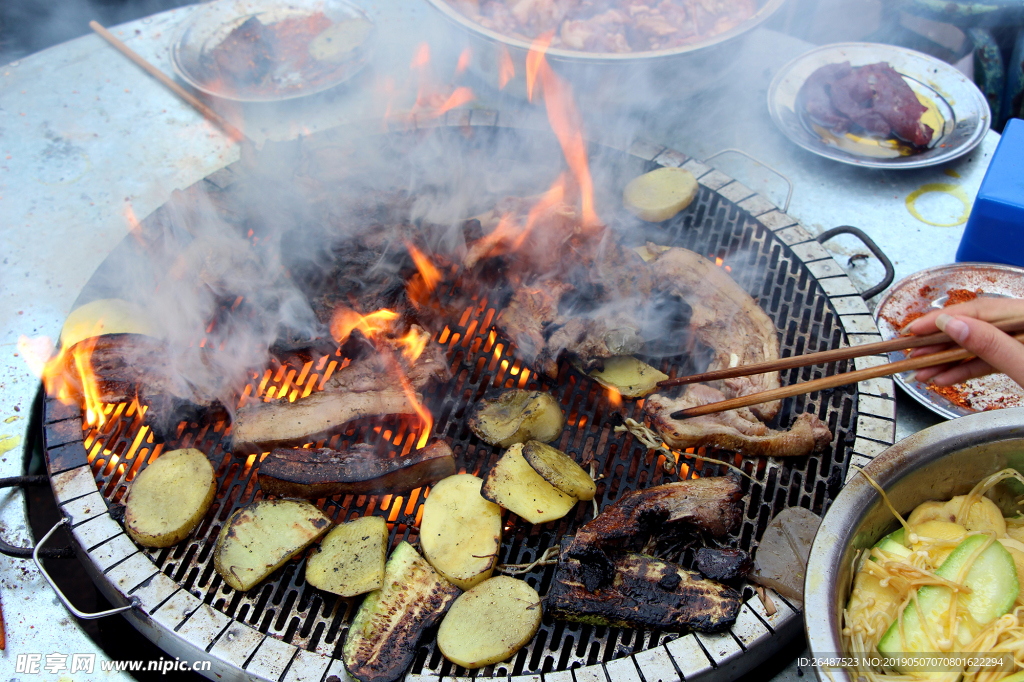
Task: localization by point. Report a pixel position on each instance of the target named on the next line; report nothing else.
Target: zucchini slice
(381, 642)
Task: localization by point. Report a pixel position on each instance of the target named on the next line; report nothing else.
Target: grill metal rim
(102, 539)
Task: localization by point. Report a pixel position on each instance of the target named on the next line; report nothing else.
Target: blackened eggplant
(723, 564)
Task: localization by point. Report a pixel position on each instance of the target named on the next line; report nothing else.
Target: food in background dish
(616, 26)
(874, 99)
(909, 590)
(264, 58)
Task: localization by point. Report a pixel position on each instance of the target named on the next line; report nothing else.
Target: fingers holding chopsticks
(969, 325)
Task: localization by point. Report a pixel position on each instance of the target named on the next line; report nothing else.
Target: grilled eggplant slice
(560, 470)
(381, 641)
(645, 593)
(259, 538)
(323, 472)
(517, 416)
(723, 564)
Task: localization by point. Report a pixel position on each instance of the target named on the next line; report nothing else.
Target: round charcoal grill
(284, 629)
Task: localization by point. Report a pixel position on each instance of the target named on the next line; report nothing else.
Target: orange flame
(565, 121)
(614, 397)
(426, 419)
(431, 102)
(345, 321)
(422, 285)
(506, 69)
(413, 344)
(464, 60)
(422, 56)
(52, 368)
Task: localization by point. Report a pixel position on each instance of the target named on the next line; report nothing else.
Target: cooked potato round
(460, 531)
(516, 486)
(560, 470)
(490, 622)
(517, 416)
(660, 194)
(629, 376)
(169, 498)
(983, 515)
(350, 560)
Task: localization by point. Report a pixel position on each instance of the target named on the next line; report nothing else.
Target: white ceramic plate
(298, 62)
(963, 108)
(929, 290)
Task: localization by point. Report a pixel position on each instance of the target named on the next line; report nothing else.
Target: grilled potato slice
(517, 416)
(460, 531)
(259, 538)
(660, 194)
(169, 498)
(560, 470)
(515, 485)
(489, 623)
(350, 560)
(629, 376)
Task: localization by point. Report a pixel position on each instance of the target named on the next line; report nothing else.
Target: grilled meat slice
(324, 472)
(725, 318)
(723, 564)
(737, 430)
(645, 593)
(259, 427)
(379, 368)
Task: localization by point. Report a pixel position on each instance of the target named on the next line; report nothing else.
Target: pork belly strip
(725, 318)
(262, 426)
(737, 430)
(324, 472)
(710, 504)
(645, 593)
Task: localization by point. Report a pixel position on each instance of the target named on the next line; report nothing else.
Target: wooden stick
(899, 343)
(231, 131)
(930, 360)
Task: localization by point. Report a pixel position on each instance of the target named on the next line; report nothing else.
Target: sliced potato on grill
(517, 416)
(460, 531)
(660, 194)
(351, 558)
(629, 376)
(169, 498)
(259, 538)
(560, 470)
(515, 485)
(489, 623)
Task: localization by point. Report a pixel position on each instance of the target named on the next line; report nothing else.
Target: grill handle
(26, 552)
(789, 183)
(890, 272)
(60, 595)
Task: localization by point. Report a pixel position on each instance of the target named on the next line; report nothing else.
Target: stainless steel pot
(611, 77)
(945, 460)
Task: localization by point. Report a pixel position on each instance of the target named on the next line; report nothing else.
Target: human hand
(970, 325)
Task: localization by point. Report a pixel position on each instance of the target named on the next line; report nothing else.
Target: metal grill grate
(284, 607)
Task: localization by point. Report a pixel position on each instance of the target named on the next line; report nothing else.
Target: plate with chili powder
(937, 288)
(266, 51)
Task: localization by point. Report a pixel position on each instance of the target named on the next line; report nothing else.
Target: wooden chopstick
(930, 360)
(222, 123)
(849, 353)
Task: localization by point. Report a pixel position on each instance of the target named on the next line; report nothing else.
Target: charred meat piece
(323, 472)
(245, 56)
(262, 426)
(645, 593)
(737, 430)
(724, 317)
(576, 291)
(710, 504)
(874, 97)
(723, 564)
